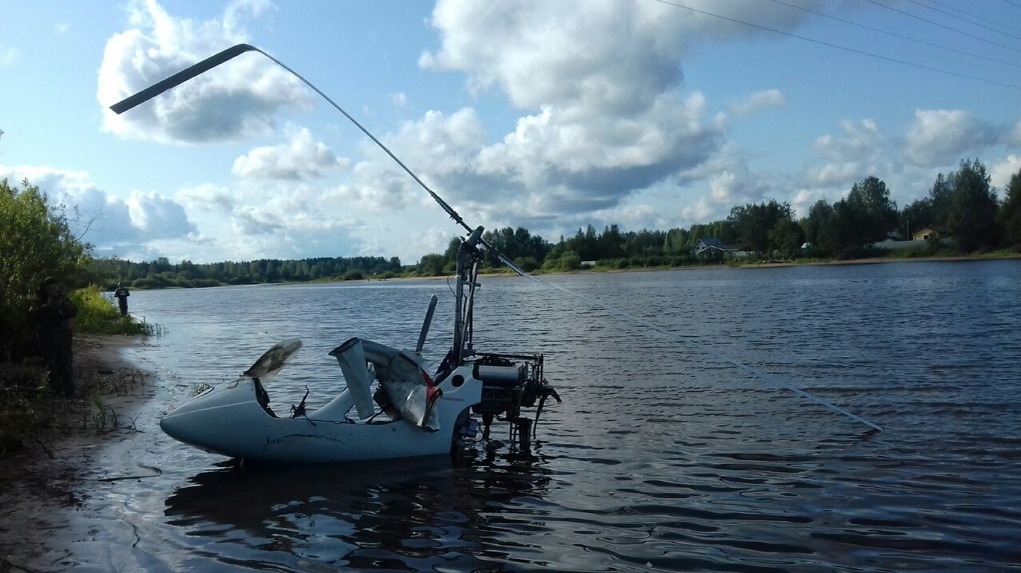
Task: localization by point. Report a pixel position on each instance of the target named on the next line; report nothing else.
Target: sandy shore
(42, 486)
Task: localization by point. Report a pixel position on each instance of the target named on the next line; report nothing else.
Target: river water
(679, 445)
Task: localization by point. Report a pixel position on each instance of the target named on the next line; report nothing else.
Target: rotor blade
(213, 61)
(274, 359)
(425, 325)
(180, 77)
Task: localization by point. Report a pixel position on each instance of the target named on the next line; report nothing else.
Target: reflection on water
(409, 516)
(663, 455)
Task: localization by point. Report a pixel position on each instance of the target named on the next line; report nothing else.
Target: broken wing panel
(351, 357)
(406, 385)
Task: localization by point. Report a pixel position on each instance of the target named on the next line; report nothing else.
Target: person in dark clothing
(53, 313)
(122, 295)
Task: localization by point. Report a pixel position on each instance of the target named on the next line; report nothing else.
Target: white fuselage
(228, 420)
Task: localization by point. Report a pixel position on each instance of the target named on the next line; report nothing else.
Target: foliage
(754, 223)
(1010, 212)
(97, 315)
(848, 228)
(931, 211)
(874, 213)
(100, 418)
(36, 242)
(431, 265)
(161, 273)
(973, 208)
(517, 244)
(786, 237)
(862, 218)
(563, 261)
(354, 275)
(819, 228)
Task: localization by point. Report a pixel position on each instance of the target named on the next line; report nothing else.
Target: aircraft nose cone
(180, 425)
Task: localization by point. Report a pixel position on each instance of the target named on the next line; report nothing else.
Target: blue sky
(547, 115)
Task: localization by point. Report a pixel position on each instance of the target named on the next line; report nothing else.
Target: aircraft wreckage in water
(410, 413)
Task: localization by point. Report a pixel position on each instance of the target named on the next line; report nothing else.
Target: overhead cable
(839, 47)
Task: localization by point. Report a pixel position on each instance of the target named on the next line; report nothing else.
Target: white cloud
(115, 226)
(938, 136)
(8, 56)
(1014, 137)
(207, 197)
(835, 173)
(237, 100)
(758, 102)
(701, 210)
(601, 87)
(861, 150)
(157, 217)
(543, 53)
(251, 221)
(722, 187)
(860, 140)
(301, 159)
(1001, 173)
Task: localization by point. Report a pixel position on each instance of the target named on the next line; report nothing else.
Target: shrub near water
(25, 400)
(97, 315)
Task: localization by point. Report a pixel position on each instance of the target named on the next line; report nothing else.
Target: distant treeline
(161, 273)
(961, 206)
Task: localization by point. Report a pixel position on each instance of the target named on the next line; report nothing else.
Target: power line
(946, 13)
(839, 47)
(969, 14)
(903, 37)
(952, 29)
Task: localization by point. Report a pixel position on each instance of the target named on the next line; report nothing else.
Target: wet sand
(44, 487)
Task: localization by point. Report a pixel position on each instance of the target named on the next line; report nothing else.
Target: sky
(550, 115)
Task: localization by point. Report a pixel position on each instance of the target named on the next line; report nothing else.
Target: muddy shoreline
(44, 486)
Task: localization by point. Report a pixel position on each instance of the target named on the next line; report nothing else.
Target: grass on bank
(29, 410)
(97, 315)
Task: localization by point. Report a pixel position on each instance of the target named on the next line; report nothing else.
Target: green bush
(36, 241)
(97, 315)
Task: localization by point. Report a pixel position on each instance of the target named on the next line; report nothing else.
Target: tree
(36, 241)
(862, 218)
(786, 237)
(939, 201)
(585, 244)
(929, 211)
(875, 214)
(1010, 211)
(818, 227)
(973, 208)
(431, 265)
(753, 223)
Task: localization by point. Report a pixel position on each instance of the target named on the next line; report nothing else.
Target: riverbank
(879, 260)
(45, 484)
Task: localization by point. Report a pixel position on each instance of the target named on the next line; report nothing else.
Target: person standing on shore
(53, 316)
(122, 295)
